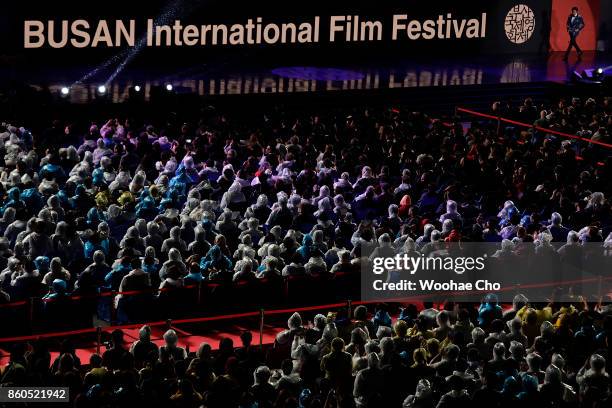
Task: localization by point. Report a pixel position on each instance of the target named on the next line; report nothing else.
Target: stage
(227, 77)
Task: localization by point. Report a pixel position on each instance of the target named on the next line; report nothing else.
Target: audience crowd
(152, 205)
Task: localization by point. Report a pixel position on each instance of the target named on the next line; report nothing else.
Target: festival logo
(519, 24)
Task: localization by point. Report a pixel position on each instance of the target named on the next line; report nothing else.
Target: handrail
(281, 311)
(111, 293)
(539, 128)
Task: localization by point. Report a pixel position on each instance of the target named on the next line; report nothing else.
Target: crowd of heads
(454, 355)
(131, 204)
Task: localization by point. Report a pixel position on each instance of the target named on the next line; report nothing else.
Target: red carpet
(188, 340)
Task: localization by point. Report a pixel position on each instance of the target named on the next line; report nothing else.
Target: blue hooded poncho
(306, 249)
(14, 200)
(146, 208)
(33, 199)
(95, 216)
(59, 289)
(215, 259)
(41, 263)
(52, 171)
(98, 177)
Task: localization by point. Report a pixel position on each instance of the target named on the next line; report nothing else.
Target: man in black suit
(575, 24)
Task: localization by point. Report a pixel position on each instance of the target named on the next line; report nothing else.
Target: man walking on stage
(575, 24)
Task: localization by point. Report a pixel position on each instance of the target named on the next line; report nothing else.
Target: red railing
(112, 293)
(262, 312)
(535, 127)
(208, 298)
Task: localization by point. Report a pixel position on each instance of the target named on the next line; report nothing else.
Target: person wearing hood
(325, 211)
(571, 254)
(190, 169)
(264, 393)
(57, 271)
(452, 214)
(384, 249)
(97, 214)
(181, 181)
(15, 228)
(37, 243)
(7, 219)
(119, 270)
(57, 290)
(13, 269)
(174, 241)
(269, 270)
(175, 260)
(227, 227)
(215, 264)
(14, 201)
(369, 384)
(137, 279)
(244, 271)
(153, 238)
(150, 264)
(130, 308)
(144, 349)
(281, 214)
(52, 171)
(26, 284)
(54, 205)
(108, 171)
(435, 245)
(425, 238)
(422, 398)
(294, 328)
(171, 346)
(337, 366)
(227, 177)
(593, 375)
(260, 209)
(146, 208)
(324, 193)
(93, 276)
(554, 389)
(307, 248)
(209, 171)
(366, 179)
(252, 230)
(199, 246)
(489, 310)
(138, 183)
(100, 151)
(33, 200)
(82, 201)
(341, 207)
(457, 396)
(316, 265)
(556, 228)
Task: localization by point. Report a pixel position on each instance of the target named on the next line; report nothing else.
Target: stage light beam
(102, 89)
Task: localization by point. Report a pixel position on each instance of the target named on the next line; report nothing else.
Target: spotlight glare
(137, 88)
(169, 87)
(599, 71)
(65, 90)
(102, 89)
